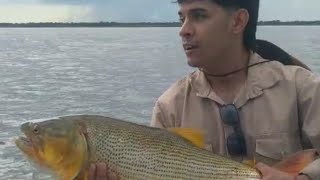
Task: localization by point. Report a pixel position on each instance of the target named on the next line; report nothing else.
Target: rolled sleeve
(157, 119)
(160, 116)
(313, 170)
(308, 85)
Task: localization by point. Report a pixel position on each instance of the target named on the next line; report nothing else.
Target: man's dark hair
(252, 6)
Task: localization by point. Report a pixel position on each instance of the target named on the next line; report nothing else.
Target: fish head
(54, 144)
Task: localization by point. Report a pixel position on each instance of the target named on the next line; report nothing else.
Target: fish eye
(36, 129)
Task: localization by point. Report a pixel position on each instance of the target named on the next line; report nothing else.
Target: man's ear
(240, 20)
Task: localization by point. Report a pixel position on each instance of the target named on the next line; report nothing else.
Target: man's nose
(187, 29)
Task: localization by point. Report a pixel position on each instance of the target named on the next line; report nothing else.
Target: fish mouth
(24, 143)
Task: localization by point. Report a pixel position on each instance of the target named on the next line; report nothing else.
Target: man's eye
(181, 19)
(199, 16)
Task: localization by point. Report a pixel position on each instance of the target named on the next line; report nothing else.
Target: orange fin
(294, 163)
(82, 175)
(195, 136)
(251, 162)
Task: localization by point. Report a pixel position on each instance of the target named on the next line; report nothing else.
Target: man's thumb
(263, 168)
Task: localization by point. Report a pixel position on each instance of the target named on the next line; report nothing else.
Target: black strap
(232, 72)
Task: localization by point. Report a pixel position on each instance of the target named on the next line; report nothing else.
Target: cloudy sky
(135, 10)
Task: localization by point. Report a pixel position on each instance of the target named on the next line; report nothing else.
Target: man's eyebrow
(195, 10)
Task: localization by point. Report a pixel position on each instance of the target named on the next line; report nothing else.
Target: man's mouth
(189, 47)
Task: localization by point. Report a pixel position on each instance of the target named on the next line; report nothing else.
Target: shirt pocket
(273, 149)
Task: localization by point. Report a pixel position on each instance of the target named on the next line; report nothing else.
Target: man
(249, 107)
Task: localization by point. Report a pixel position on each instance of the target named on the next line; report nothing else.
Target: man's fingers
(113, 176)
(263, 168)
(101, 171)
(92, 172)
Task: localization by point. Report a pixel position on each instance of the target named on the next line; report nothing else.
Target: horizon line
(120, 22)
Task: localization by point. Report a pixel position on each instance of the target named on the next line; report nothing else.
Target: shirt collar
(260, 77)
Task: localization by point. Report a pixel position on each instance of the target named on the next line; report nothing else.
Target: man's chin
(193, 63)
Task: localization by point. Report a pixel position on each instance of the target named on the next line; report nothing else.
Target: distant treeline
(145, 24)
(92, 24)
(288, 23)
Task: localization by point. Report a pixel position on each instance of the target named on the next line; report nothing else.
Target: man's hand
(100, 171)
(269, 173)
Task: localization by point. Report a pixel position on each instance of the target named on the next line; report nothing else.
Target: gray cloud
(290, 9)
(165, 10)
(70, 2)
(125, 10)
(135, 10)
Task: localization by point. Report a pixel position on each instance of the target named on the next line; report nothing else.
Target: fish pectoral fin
(294, 163)
(195, 136)
(250, 163)
(82, 176)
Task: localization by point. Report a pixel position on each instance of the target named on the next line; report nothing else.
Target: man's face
(205, 31)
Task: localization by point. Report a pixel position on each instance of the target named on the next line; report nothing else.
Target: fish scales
(139, 152)
(68, 145)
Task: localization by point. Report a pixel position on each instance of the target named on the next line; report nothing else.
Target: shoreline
(143, 24)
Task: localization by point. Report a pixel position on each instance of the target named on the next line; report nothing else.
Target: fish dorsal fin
(195, 136)
(294, 163)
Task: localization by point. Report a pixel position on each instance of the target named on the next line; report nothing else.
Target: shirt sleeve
(160, 117)
(157, 117)
(312, 170)
(308, 91)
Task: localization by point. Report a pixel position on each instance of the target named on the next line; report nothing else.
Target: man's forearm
(303, 177)
(312, 170)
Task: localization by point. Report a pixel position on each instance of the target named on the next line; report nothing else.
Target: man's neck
(230, 62)
(228, 86)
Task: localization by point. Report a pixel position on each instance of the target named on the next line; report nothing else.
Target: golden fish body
(133, 151)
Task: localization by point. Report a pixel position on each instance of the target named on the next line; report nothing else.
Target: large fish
(67, 145)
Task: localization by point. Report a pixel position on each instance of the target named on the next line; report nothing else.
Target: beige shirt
(275, 102)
